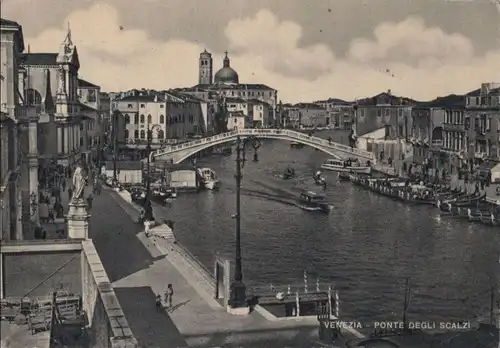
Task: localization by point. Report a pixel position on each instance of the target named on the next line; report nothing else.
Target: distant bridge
(178, 153)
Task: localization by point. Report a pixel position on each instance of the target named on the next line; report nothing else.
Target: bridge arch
(233, 138)
(180, 152)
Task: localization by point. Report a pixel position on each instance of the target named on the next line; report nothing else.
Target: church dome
(226, 74)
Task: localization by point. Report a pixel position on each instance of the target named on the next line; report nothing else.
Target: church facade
(225, 83)
(52, 87)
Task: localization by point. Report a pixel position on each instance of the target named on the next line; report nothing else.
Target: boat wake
(266, 195)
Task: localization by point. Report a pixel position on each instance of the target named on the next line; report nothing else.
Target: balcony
(454, 127)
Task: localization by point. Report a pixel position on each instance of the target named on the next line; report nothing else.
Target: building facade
(482, 124)
(92, 139)
(437, 134)
(257, 112)
(308, 115)
(168, 114)
(340, 113)
(52, 87)
(19, 128)
(383, 111)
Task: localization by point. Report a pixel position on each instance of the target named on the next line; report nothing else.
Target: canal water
(366, 246)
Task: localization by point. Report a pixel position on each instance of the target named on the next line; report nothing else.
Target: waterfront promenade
(139, 270)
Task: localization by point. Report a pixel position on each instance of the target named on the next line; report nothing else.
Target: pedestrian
(90, 198)
(63, 185)
(51, 216)
(70, 193)
(158, 302)
(168, 295)
(147, 225)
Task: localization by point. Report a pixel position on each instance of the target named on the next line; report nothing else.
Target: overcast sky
(307, 49)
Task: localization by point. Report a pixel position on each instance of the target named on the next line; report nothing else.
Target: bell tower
(205, 68)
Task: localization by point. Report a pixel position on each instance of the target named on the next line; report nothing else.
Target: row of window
(171, 119)
(454, 117)
(484, 101)
(248, 94)
(382, 112)
(142, 134)
(162, 106)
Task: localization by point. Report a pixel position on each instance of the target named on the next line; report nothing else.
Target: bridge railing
(250, 131)
(307, 138)
(195, 143)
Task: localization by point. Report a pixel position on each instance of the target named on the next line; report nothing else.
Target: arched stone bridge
(178, 153)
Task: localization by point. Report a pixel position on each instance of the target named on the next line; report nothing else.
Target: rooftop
(332, 101)
(233, 86)
(385, 98)
(309, 106)
(85, 84)
(7, 22)
(39, 59)
(448, 101)
(142, 98)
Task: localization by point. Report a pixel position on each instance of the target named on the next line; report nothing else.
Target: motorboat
(209, 179)
(350, 166)
(311, 201)
(319, 179)
(296, 145)
(289, 173)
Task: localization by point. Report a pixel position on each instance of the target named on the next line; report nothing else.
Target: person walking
(168, 295)
(90, 198)
(158, 302)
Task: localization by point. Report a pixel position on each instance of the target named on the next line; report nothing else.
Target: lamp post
(237, 297)
(114, 134)
(148, 209)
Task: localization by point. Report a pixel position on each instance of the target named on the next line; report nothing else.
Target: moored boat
(209, 179)
(350, 166)
(311, 201)
(296, 145)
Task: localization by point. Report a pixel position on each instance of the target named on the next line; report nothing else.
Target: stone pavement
(140, 268)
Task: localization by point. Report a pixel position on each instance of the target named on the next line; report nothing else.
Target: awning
(488, 166)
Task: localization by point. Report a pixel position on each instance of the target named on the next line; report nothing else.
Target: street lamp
(237, 297)
(148, 209)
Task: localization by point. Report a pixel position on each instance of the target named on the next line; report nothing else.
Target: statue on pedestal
(79, 183)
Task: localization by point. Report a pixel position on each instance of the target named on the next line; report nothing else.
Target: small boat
(312, 201)
(350, 166)
(208, 178)
(319, 179)
(289, 173)
(296, 145)
(171, 192)
(344, 176)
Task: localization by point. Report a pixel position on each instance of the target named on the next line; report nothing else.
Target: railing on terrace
(257, 290)
(248, 132)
